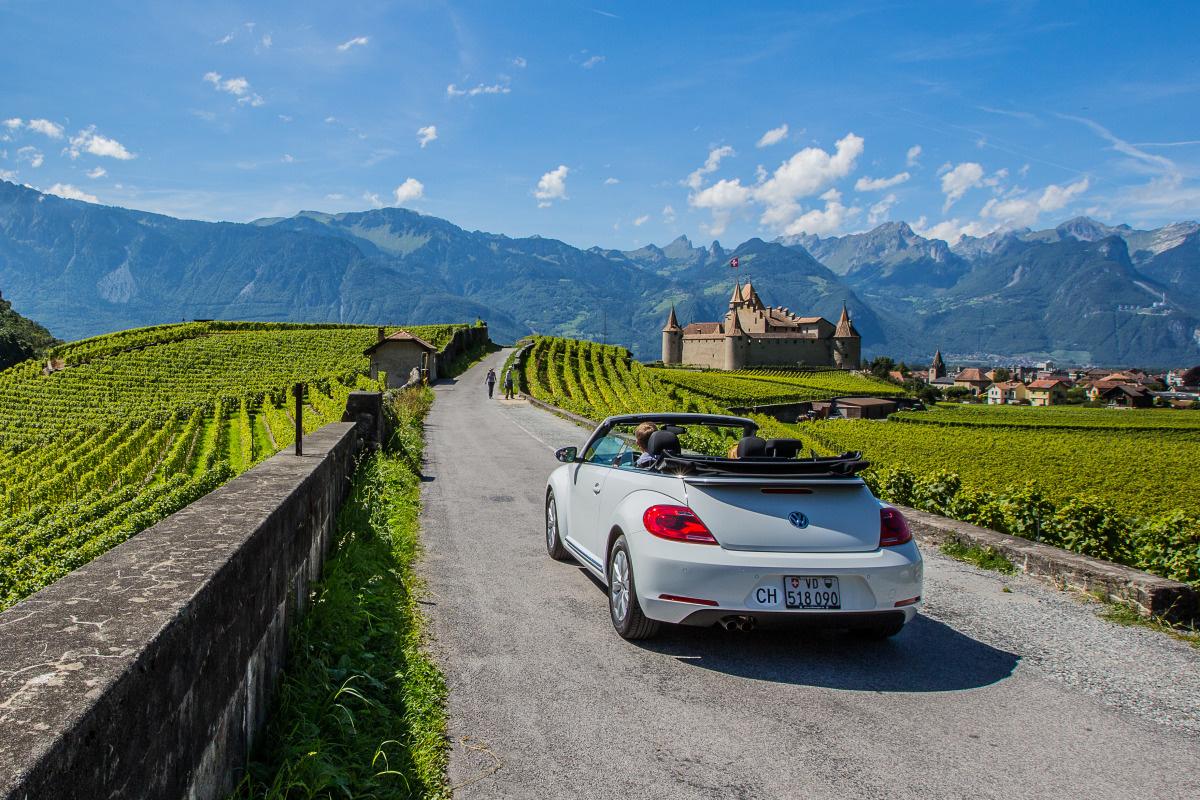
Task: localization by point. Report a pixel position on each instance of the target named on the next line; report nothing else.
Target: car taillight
(893, 529)
(678, 523)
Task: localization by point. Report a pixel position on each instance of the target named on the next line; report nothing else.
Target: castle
(753, 334)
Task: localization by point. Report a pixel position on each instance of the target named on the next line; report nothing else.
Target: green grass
(361, 709)
(1122, 614)
(982, 557)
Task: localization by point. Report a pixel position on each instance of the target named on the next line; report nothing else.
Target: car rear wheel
(554, 545)
(623, 606)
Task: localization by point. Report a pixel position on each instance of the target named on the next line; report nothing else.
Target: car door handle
(595, 488)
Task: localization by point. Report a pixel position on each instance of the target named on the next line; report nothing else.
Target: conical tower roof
(937, 359)
(736, 298)
(672, 322)
(734, 328)
(844, 328)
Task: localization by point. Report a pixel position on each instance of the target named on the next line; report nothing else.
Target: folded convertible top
(847, 465)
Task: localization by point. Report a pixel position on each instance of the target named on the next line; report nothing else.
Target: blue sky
(613, 123)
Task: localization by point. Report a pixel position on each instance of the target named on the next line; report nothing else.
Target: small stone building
(398, 354)
(855, 407)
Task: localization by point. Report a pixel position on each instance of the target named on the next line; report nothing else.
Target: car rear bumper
(848, 620)
(700, 584)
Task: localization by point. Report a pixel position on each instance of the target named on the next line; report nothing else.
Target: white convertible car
(766, 538)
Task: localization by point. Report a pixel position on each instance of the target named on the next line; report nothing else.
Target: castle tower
(938, 368)
(735, 300)
(737, 343)
(672, 341)
(847, 344)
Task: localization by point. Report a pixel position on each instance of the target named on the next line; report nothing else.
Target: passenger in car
(642, 435)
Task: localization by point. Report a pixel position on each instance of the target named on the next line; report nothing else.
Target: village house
(398, 355)
(1007, 393)
(1126, 395)
(1048, 392)
(754, 334)
(973, 379)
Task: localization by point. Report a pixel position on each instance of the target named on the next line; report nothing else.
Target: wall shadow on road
(927, 656)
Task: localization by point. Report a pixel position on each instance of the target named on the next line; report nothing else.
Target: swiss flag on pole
(733, 262)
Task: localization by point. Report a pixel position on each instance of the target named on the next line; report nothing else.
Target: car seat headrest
(663, 443)
(784, 448)
(751, 447)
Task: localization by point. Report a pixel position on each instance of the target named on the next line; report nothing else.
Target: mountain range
(1082, 292)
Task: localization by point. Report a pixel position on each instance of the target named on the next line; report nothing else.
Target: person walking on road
(508, 384)
(490, 380)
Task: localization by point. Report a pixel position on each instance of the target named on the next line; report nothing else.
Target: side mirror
(566, 454)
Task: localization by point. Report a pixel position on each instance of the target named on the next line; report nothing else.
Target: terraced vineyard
(141, 423)
(1119, 485)
(765, 387)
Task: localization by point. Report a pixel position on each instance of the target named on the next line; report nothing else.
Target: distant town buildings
(1045, 384)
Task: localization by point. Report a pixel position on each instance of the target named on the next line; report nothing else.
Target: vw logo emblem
(799, 519)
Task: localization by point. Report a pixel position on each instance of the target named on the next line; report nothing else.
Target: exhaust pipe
(738, 623)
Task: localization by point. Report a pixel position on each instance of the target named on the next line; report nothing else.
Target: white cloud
(696, 179)
(412, 189)
(357, 41)
(31, 155)
(287, 158)
(807, 172)
(495, 88)
(1023, 211)
(722, 199)
(951, 230)
(593, 61)
(773, 136)
(335, 196)
(46, 127)
(823, 222)
(957, 181)
(552, 186)
(426, 135)
(330, 120)
(611, 181)
(879, 212)
(226, 39)
(238, 87)
(912, 157)
(668, 214)
(642, 220)
(266, 40)
(519, 62)
(97, 172)
(865, 184)
(13, 124)
(373, 199)
(7, 175)
(72, 193)
(88, 141)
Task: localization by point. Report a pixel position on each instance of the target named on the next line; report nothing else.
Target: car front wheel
(623, 606)
(554, 545)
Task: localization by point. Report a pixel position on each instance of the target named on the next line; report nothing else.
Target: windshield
(620, 448)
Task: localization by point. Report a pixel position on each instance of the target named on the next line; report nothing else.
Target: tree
(1076, 394)
(1001, 374)
(957, 392)
(882, 366)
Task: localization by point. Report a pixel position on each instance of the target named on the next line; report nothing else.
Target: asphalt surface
(989, 693)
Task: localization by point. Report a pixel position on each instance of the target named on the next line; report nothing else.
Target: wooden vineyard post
(298, 390)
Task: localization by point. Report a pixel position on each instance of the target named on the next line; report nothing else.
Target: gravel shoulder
(1026, 693)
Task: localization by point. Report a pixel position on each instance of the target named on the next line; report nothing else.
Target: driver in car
(641, 435)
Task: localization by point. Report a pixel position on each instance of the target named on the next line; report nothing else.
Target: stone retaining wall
(148, 672)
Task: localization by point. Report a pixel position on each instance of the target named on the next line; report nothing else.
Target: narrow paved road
(1025, 693)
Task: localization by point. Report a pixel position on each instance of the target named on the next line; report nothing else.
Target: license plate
(806, 591)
